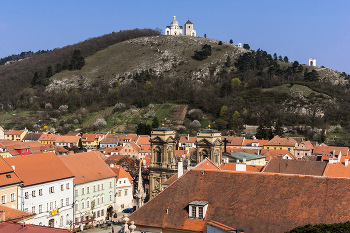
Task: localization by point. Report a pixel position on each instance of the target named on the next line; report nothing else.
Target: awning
(84, 222)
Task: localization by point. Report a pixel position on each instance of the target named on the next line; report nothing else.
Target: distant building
(174, 29)
(312, 62)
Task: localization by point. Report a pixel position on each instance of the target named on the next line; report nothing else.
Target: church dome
(174, 20)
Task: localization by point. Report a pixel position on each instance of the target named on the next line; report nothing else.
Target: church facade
(174, 29)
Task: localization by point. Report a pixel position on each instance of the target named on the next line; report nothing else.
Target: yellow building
(209, 145)
(15, 135)
(9, 185)
(278, 143)
(48, 139)
(91, 140)
(163, 164)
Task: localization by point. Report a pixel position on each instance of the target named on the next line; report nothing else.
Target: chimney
(180, 168)
(237, 160)
(244, 160)
(2, 215)
(111, 165)
(188, 137)
(13, 167)
(346, 162)
(241, 167)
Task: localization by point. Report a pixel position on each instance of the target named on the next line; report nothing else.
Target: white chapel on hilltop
(174, 28)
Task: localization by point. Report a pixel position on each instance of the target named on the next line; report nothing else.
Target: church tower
(163, 164)
(209, 145)
(189, 29)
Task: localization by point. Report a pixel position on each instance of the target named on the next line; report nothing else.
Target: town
(50, 185)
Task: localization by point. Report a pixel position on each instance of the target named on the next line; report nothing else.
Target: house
(13, 227)
(4, 152)
(304, 148)
(232, 142)
(331, 153)
(143, 140)
(241, 157)
(68, 141)
(16, 148)
(314, 168)
(278, 143)
(47, 188)
(91, 140)
(94, 191)
(108, 142)
(256, 202)
(2, 133)
(31, 137)
(253, 144)
(124, 189)
(271, 153)
(9, 185)
(124, 139)
(186, 142)
(48, 139)
(15, 135)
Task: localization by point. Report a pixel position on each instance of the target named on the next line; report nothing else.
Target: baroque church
(175, 30)
(163, 162)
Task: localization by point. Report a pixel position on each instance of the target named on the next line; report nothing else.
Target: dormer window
(198, 209)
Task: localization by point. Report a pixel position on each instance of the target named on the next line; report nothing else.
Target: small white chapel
(174, 28)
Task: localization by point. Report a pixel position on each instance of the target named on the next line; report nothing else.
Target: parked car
(127, 210)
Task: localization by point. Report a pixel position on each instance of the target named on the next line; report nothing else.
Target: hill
(232, 87)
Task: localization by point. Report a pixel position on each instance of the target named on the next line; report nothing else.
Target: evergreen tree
(275, 56)
(280, 58)
(246, 46)
(155, 122)
(49, 72)
(285, 59)
(231, 41)
(65, 65)
(77, 61)
(228, 61)
(35, 79)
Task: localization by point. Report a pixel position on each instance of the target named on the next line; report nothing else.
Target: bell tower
(209, 145)
(163, 164)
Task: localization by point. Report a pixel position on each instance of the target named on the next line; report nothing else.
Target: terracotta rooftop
(248, 142)
(235, 150)
(90, 137)
(256, 202)
(322, 150)
(49, 137)
(295, 167)
(6, 227)
(277, 141)
(87, 167)
(172, 179)
(186, 139)
(68, 139)
(233, 141)
(14, 132)
(39, 168)
(232, 167)
(143, 140)
(206, 164)
(110, 140)
(113, 159)
(7, 175)
(222, 227)
(15, 215)
(121, 173)
(32, 136)
(275, 153)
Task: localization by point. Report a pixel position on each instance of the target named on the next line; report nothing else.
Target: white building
(47, 189)
(312, 62)
(174, 28)
(124, 189)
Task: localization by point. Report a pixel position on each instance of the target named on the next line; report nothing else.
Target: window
(82, 204)
(51, 205)
(88, 190)
(26, 195)
(33, 209)
(169, 157)
(94, 188)
(124, 181)
(76, 207)
(67, 219)
(25, 209)
(67, 201)
(82, 191)
(102, 186)
(3, 199)
(67, 186)
(62, 202)
(94, 214)
(102, 213)
(76, 192)
(52, 189)
(194, 211)
(125, 192)
(110, 184)
(98, 201)
(98, 213)
(12, 196)
(110, 197)
(158, 157)
(120, 182)
(47, 206)
(98, 187)
(40, 209)
(55, 205)
(40, 223)
(119, 193)
(33, 193)
(61, 221)
(102, 199)
(40, 192)
(200, 212)
(88, 204)
(62, 187)
(122, 206)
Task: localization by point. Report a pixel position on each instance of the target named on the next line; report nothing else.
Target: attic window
(8, 176)
(198, 209)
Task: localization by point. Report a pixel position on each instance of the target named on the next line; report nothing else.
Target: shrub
(100, 122)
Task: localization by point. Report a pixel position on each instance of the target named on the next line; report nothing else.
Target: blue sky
(298, 29)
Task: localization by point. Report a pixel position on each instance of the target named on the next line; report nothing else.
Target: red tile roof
(7, 175)
(254, 202)
(222, 227)
(322, 150)
(235, 150)
(87, 167)
(206, 164)
(14, 132)
(185, 139)
(39, 168)
(90, 137)
(49, 137)
(233, 141)
(337, 170)
(172, 179)
(15, 215)
(277, 141)
(32, 136)
(232, 167)
(68, 139)
(121, 173)
(143, 140)
(250, 141)
(6, 227)
(271, 153)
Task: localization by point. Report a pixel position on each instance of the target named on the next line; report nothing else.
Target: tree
(155, 122)
(231, 41)
(228, 61)
(149, 88)
(220, 42)
(77, 61)
(205, 35)
(49, 72)
(236, 115)
(35, 79)
(129, 164)
(235, 83)
(278, 129)
(275, 56)
(223, 111)
(246, 46)
(280, 58)
(285, 59)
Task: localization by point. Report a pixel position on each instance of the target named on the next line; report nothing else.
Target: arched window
(159, 157)
(169, 157)
(67, 219)
(61, 221)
